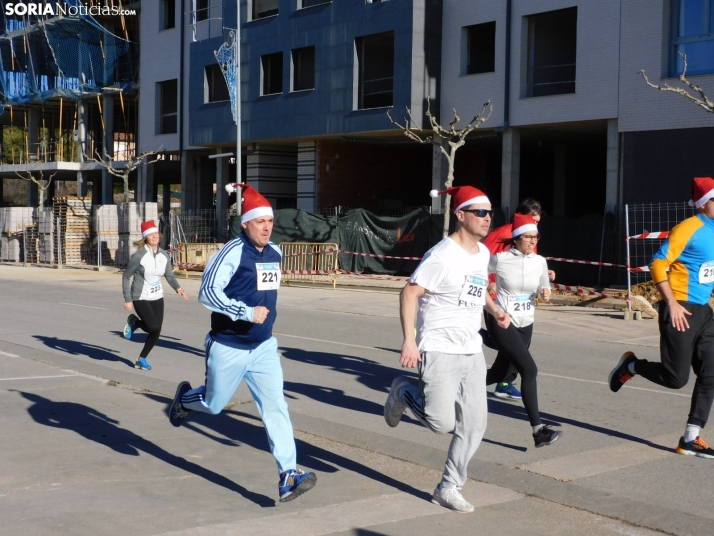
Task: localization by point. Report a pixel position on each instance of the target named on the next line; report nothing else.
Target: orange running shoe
(698, 447)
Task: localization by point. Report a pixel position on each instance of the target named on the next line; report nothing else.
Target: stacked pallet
(73, 214)
(13, 221)
(46, 239)
(31, 241)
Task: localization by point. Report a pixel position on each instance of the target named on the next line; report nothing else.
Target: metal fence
(647, 226)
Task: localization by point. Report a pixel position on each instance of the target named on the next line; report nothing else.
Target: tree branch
(703, 101)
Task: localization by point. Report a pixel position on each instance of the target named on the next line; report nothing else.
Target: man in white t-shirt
(449, 287)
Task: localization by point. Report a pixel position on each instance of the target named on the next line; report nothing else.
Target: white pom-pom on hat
(231, 187)
(434, 193)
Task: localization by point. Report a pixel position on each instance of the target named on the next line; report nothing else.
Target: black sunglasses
(479, 212)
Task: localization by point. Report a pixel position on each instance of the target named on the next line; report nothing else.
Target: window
(202, 10)
(214, 87)
(552, 41)
(310, 3)
(265, 8)
(375, 57)
(168, 107)
(303, 68)
(693, 35)
(167, 14)
(481, 48)
(272, 75)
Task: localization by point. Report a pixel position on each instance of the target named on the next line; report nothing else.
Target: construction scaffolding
(57, 74)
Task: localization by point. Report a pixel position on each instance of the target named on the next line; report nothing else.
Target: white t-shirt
(519, 279)
(449, 315)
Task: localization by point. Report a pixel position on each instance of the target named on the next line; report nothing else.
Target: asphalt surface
(87, 447)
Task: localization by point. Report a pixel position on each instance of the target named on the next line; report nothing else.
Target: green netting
(44, 57)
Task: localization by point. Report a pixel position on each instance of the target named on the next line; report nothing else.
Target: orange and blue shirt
(689, 255)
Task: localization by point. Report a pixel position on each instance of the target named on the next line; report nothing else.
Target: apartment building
(317, 80)
(574, 123)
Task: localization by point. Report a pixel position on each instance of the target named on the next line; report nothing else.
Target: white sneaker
(393, 407)
(451, 498)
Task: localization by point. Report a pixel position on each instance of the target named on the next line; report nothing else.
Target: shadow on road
(95, 426)
(370, 373)
(80, 348)
(517, 411)
(228, 430)
(140, 338)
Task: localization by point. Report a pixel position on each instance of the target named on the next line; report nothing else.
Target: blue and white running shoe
(294, 483)
(507, 390)
(131, 321)
(142, 364)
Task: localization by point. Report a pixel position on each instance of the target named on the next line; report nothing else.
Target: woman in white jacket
(521, 275)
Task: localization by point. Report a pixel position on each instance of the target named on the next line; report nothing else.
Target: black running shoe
(546, 436)
(177, 413)
(621, 374)
(698, 447)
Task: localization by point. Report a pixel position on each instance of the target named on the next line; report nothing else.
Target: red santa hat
(148, 227)
(254, 205)
(522, 223)
(463, 196)
(702, 191)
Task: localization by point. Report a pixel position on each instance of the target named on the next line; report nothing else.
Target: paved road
(87, 448)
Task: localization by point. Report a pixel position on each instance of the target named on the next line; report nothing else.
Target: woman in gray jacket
(145, 294)
(521, 275)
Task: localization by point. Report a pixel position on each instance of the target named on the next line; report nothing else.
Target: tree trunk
(447, 185)
(126, 187)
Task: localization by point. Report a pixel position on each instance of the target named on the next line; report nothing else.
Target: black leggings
(151, 317)
(512, 345)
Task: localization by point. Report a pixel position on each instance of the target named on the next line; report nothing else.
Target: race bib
(155, 288)
(706, 273)
(268, 275)
(473, 293)
(521, 306)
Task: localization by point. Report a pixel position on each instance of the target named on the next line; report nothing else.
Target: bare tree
(701, 100)
(448, 140)
(42, 184)
(123, 171)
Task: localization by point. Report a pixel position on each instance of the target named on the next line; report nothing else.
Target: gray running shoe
(393, 407)
(546, 436)
(451, 498)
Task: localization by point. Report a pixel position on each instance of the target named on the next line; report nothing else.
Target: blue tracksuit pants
(226, 367)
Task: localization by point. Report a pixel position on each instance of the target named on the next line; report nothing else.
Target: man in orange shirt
(496, 243)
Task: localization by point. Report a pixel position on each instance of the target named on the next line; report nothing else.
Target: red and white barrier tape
(374, 276)
(380, 256)
(331, 250)
(343, 272)
(584, 291)
(663, 234)
(310, 272)
(596, 263)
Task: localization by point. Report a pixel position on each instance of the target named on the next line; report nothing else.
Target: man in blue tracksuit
(240, 287)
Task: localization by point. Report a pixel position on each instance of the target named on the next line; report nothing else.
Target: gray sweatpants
(452, 397)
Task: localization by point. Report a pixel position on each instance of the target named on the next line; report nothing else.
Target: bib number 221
(268, 275)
